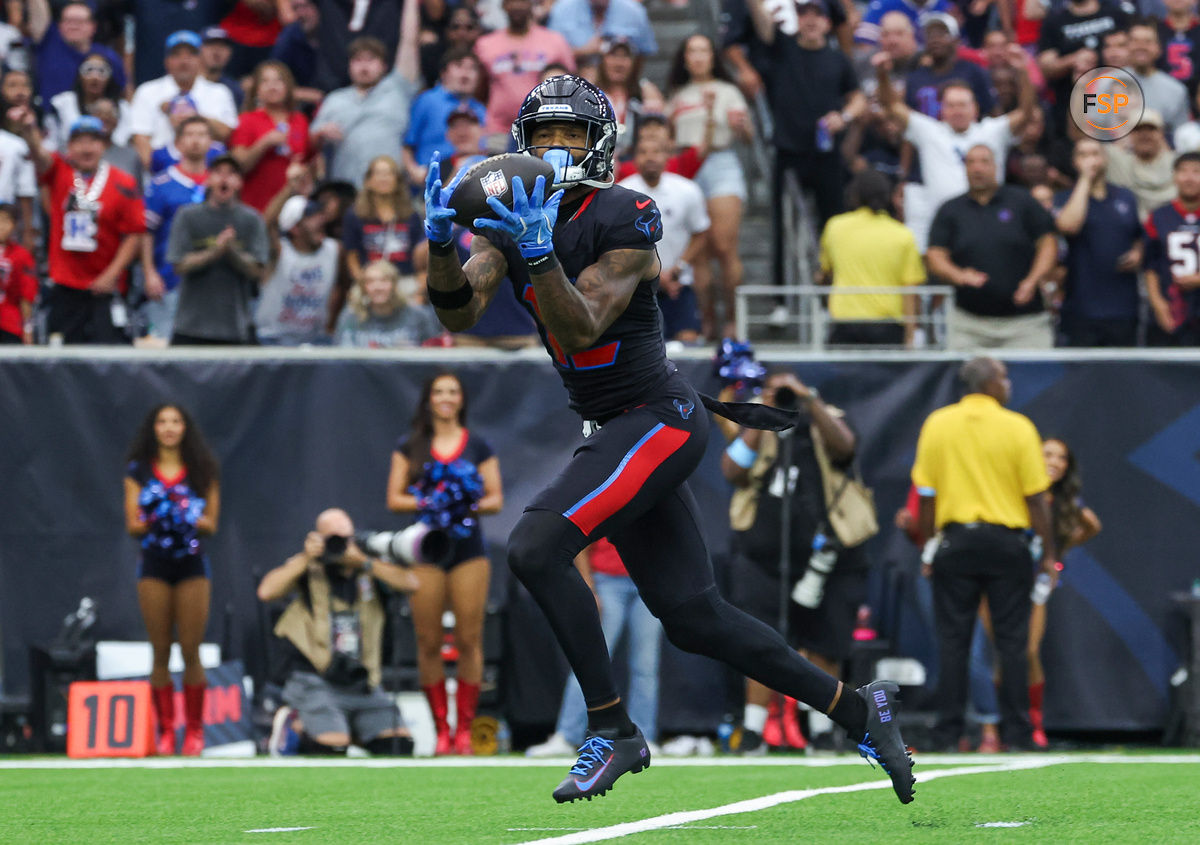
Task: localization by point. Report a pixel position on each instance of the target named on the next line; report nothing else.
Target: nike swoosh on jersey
(641, 203)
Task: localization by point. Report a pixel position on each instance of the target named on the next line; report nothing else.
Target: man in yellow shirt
(982, 482)
(868, 247)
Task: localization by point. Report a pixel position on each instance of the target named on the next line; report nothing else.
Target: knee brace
(540, 541)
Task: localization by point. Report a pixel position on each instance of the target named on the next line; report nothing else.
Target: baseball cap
(818, 5)
(225, 158)
(463, 111)
(183, 38)
(215, 33)
(87, 125)
(944, 19)
(338, 187)
(1151, 117)
(295, 210)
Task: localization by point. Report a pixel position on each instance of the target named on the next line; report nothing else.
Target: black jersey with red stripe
(628, 363)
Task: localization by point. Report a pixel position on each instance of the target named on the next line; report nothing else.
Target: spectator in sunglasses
(94, 81)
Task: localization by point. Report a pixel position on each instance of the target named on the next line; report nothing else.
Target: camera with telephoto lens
(810, 589)
(418, 543)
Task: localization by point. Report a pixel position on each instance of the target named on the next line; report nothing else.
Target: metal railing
(758, 155)
(807, 320)
(802, 241)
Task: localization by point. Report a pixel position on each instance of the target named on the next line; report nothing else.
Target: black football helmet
(570, 98)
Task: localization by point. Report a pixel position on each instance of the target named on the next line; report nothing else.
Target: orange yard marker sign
(109, 719)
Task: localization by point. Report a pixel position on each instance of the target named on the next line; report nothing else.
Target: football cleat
(883, 741)
(602, 759)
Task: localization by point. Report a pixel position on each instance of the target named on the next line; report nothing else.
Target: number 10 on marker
(109, 719)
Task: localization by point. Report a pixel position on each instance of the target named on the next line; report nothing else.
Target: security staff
(982, 482)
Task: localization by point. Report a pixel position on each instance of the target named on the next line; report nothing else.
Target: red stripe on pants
(649, 457)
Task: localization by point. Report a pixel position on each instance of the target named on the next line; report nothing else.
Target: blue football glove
(439, 219)
(531, 221)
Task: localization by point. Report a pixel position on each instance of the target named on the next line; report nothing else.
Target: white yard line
(767, 801)
(676, 827)
(522, 762)
(1002, 824)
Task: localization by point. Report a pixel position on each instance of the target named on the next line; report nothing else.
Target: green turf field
(1063, 798)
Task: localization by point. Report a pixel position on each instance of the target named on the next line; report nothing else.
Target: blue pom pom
(734, 364)
(447, 495)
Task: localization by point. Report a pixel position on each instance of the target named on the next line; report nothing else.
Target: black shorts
(173, 570)
(464, 549)
(866, 333)
(81, 316)
(827, 630)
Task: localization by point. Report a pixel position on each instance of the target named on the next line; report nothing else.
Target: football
(492, 177)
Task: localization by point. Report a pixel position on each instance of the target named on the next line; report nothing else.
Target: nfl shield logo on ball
(494, 184)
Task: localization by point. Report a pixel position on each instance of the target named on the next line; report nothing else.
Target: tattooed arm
(578, 314)
(484, 271)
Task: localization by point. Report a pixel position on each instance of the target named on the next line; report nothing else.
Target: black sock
(611, 721)
(851, 713)
(390, 746)
(308, 745)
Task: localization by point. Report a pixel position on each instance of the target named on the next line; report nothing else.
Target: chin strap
(597, 183)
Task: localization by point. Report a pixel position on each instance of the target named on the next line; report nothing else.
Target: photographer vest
(308, 625)
(850, 505)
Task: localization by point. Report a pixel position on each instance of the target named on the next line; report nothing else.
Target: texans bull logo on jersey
(647, 224)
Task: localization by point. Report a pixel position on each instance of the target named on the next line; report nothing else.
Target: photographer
(334, 634)
(826, 575)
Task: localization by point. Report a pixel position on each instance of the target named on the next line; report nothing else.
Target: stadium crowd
(248, 171)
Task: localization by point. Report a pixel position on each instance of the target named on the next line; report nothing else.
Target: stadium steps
(672, 26)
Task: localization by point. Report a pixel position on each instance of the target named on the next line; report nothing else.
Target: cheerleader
(172, 499)
(448, 477)
(1074, 524)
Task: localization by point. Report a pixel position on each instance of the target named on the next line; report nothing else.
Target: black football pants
(627, 482)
